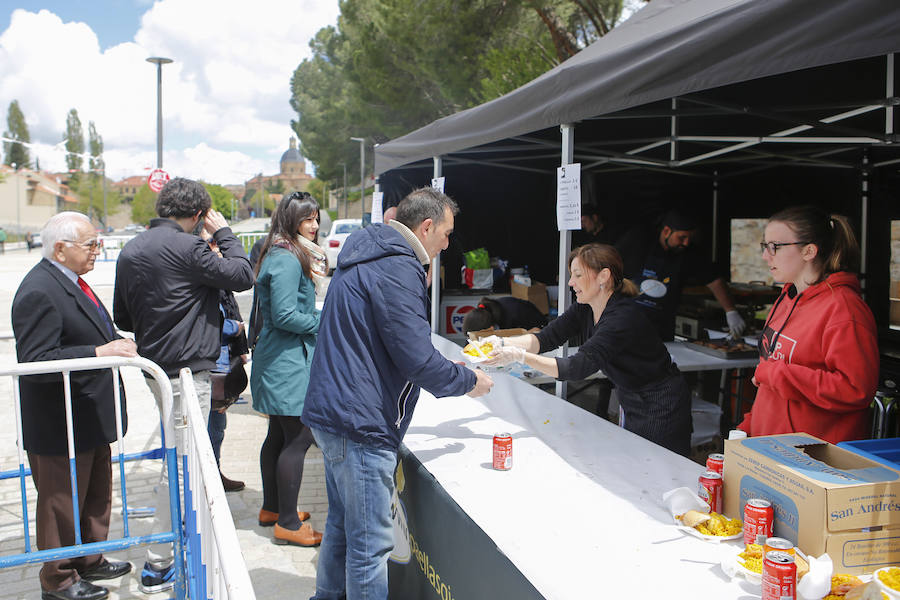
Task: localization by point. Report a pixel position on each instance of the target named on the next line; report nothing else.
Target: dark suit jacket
(54, 319)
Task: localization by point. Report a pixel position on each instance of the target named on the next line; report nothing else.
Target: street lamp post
(105, 215)
(362, 174)
(343, 164)
(159, 62)
(259, 201)
(18, 202)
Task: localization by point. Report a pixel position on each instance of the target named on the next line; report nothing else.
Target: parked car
(340, 230)
(36, 240)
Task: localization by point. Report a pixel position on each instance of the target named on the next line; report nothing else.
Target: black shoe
(106, 570)
(80, 590)
(231, 485)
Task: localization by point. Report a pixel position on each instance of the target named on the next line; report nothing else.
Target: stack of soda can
(759, 521)
(779, 576)
(710, 488)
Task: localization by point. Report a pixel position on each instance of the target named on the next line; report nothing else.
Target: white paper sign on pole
(568, 197)
(377, 201)
(438, 184)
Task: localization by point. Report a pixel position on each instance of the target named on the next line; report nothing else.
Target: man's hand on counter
(483, 384)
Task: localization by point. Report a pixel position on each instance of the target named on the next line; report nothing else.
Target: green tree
(89, 191)
(74, 143)
(268, 204)
(221, 198)
(390, 67)
(17, 129)
(316, 189)
(143, 207)
(95, 144)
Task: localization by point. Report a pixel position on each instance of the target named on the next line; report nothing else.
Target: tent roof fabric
(668, 49)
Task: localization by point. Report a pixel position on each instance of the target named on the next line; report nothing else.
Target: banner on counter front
(439, 552)
(568, 197)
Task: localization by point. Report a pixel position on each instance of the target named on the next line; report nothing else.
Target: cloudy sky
(225, 98)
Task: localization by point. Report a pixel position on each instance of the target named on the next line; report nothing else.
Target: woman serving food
(653, 396)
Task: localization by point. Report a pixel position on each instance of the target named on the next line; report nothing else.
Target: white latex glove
(505, 355)
(736, 323)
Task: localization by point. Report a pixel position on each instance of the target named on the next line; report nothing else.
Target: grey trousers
(160, 555)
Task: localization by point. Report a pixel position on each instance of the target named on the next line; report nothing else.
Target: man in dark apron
(659, 261)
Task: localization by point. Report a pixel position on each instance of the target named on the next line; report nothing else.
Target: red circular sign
(157, 179)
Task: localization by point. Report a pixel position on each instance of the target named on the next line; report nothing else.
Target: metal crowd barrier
(215, 563)
(248, 239)
(112, 245)
(65, 368)
(207, 558)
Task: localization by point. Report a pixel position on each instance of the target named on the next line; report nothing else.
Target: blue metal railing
(175, 535)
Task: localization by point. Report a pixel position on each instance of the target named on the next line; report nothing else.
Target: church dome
(292, 154)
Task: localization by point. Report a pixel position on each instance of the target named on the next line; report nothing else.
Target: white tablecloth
(580, 513)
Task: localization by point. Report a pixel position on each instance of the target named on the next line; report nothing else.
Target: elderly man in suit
(56, 315)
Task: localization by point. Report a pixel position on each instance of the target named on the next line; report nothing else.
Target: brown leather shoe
(231, 485)
(305, 536)
(267, 518)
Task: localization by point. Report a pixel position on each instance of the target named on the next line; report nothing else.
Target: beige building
(29, 198)
(292, 173)
(129, 186)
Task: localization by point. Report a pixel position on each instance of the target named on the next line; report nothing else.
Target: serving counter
(579, 515)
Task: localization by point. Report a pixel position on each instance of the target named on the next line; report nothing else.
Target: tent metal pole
(565, 245)
(673, 130)
(780, 134)
(715, 216)
(436, 267)
(864, 219)
(889, 93)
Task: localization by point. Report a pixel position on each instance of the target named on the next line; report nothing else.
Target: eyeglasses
(773, 247)
(90, 245)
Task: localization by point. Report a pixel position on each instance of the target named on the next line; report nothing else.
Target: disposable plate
(703, 536)
(473, 359)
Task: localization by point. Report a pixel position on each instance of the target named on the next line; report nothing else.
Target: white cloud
(225, 98)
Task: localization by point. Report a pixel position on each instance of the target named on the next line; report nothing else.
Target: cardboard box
(536, 293)
(826, 498)
(477, 335)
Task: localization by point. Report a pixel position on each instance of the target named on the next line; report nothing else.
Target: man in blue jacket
(374, 352)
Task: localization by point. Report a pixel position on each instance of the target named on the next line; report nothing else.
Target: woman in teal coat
(290, 265)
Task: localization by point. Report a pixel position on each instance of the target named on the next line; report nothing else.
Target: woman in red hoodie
(818, 367)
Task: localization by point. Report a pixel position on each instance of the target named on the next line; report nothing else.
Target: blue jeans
(216, 428)
(358, 532)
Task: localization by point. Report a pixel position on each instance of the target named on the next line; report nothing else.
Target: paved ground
(276, 571)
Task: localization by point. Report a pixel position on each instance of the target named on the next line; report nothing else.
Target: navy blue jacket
(374, 350)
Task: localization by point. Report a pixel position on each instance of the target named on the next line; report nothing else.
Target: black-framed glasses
(90, 245)
(773, 247)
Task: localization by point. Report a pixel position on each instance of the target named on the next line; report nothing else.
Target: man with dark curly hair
(167, 292)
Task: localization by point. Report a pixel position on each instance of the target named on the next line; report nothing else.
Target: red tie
(87, 290)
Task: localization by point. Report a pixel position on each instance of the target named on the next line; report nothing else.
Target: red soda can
(710, 490)
(715, 462)
(779, 576)
(759, 520)
(502, 452)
